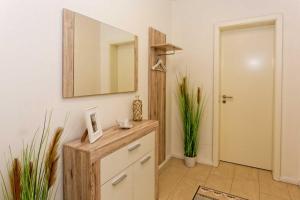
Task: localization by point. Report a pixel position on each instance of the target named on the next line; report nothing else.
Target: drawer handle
(119, 180)
(144, 160)
(133, 147)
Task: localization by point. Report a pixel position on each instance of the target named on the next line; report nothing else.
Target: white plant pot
(190, 161)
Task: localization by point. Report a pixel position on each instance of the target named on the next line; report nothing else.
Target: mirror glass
(105, 58)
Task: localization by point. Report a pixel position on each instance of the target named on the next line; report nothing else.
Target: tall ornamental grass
(33, 175)
(191, 108)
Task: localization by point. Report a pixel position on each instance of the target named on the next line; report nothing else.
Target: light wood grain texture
(82, 160)
(81, 177)
(68, 57)
(68, 53)
(157, 90)
(166, 47)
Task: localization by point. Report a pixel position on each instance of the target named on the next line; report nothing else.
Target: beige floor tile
(294, 192)
(220, 183)
(271, 187)
(269, 197)
(245, 188)
(185, 190)
(163, 168)
(199, 172)
(264, 175)
(177, 182)
(168, 180)
(244, 172)
(221, 177)
(165, 189)
(174, 162)
(224, 169)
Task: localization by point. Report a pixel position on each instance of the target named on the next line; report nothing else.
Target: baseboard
(290, 180)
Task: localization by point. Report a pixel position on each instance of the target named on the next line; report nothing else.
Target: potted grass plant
(32, 176)
(191, 106)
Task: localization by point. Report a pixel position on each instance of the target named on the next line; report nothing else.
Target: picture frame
(93, 124)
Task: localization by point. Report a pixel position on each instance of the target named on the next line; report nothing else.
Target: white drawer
(119, 187)
(115, 162)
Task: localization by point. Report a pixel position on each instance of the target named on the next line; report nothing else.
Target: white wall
(31, 57)
(30, 65)
(192, 29)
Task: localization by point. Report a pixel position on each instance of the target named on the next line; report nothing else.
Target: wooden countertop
(113, 138)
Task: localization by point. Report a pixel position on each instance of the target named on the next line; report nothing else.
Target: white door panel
(144, 178)
(120, 187)
(247, 73)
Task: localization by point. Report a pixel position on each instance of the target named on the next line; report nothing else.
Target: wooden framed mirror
(97, 58)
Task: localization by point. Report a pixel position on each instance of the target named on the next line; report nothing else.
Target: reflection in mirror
(105, 58)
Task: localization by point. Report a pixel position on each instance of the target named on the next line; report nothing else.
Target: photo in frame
(93, 124)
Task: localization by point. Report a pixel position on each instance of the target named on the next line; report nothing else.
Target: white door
(247, 84)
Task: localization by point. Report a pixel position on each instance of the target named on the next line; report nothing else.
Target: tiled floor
(177, 182)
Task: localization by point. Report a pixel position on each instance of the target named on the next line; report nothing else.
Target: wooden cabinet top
(112, 139)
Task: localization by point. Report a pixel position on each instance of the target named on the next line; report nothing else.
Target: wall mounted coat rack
(158, 50)
(167, 49)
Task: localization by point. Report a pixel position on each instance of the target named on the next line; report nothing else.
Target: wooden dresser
(121, 165)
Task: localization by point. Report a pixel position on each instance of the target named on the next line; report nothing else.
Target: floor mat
(204, 193)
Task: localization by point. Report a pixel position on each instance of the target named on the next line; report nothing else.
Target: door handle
(133, 147)
(225, 97)
(119, 179)
(144, 160)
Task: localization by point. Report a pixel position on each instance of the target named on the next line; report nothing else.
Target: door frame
(277, 20)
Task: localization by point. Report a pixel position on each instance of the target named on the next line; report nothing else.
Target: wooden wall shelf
(166, 47)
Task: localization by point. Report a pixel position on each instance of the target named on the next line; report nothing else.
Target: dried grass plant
(191, 108)
(33, 175)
